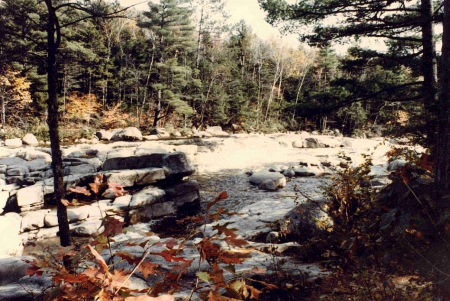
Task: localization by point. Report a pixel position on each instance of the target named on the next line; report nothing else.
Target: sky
(253, 15)
(247, 10)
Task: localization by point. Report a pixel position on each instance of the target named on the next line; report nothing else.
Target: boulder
(305, 172)
(30, 195)
(104, 135)
(30, 139)
(37, 165)
(150, 138)
(128, 134)
(307, 220)
(33, 220)
(395, 164)
(133, 177)
(4, 196)
(217, 131)
(17, 170)
(312, 143)
(31, 154)
(258, 177)
(268, 185)
(88, 228)
(152, 211)
(160, 133)
(13, 143)
(12, 161)
(183, 192)
(80, 169)
(148, 196)
(74, 214)
(122, 202)
(10, 241)
(13, 268)
(176, 165)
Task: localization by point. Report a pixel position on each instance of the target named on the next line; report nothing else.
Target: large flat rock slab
(176, 165)
(130, 177)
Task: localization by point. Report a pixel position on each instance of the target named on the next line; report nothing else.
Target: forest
(181, 64)
(68, 68)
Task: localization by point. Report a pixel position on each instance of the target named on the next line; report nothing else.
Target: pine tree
(172, 43)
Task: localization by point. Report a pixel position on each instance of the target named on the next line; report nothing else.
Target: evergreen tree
(172, 43)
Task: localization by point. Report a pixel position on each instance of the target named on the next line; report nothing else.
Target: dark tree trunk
(443, 137)
(429, 70)
(53, 41)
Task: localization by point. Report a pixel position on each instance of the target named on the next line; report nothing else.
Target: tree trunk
(429, 66)
(443, 137)
(53, 123)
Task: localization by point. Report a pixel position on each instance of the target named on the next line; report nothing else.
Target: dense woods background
(180, 64)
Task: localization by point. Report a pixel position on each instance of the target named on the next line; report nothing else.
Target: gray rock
(30, 139)
(80, 169)
(104, 135)
(127, 134)
(312, 143)
(12, 161)
(217, 131)
(160, 133)
(33, 220)
(183, 192)
(26, 289)
(129, 178)
(261, 176)
(152, 211)
(268, 185)
(297, 144)
(37, 165)
(13, 268)
(289, 173)
(4, 196)
(176, 164)
(304, 172)
(17, 170)
(74, 214)
(147, 197)
(30, 195)
(3, 168)
(395, 164)
(307, 220)
(122, 201)
(13, 143)
(88, 228)
(273, 237)
(10, 241)
(76, 154)
(150, 138)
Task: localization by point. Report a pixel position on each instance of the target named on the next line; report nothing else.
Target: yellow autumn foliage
(81, 106)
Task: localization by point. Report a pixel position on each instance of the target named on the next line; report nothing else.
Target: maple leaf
(254, 293)
(80, 190)
(148, 268)
(130, 258)
(171, 243)
(120, 278)
(112, 225)
(222, 196)
(194, 219)
(238, 242)
(117, 189)
(222, 229)
(100, 260)
(66, 202)
(169, 255)
(204, 276)
(215, 296)
(148, 298)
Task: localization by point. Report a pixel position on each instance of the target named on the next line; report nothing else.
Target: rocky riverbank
(163, 176)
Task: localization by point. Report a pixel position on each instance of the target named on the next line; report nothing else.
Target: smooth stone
(261, 176)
